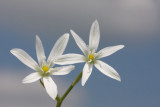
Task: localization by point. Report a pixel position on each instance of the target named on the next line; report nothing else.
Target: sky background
(133, 23)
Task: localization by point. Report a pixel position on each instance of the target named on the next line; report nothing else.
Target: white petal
(62, 70)
(50, 87)
(107, 70)
(32, 78)
(87, 70)
(59, 47)
(81, 44)
(108, 51)
(70, 59)
(39, 50)
(25, 58)
(94, 36)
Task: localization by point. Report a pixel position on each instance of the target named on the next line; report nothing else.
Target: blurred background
(134, 23)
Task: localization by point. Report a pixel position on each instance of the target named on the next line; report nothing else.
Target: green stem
(41, 83)
(58, 101)
(71, 86)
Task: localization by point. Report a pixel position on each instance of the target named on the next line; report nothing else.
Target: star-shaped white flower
(44, 68)
(91, 57)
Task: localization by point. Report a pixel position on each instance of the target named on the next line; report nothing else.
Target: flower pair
(91, 57)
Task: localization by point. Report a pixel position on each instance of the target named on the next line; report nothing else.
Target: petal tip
(53, 98)
(66, 35)
(37, 35)
(72, 32)
(96, 21)
(82, 84)
(82, 81)
(122, 46)
(119, 79)
(72, 66)
(13, 50)
(23, 81)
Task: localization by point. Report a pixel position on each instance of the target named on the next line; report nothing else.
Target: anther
(45, 68)
(91, 57)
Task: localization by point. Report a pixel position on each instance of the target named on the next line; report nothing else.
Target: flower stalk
(58, 101)
(71, 86)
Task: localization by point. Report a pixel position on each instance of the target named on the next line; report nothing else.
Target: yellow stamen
(91, 57)
(45, 68)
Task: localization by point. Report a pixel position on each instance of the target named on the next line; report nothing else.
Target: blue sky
(134, 23)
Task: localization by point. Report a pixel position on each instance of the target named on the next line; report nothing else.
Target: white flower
(91, 57)
(44, 69)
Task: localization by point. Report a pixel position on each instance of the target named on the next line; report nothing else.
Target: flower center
(45, 68)
(91, 57)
